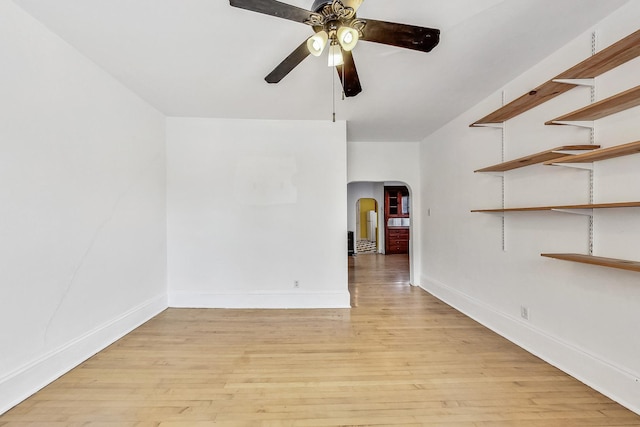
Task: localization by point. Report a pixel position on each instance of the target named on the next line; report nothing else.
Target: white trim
(266, 300)
(602, 375)
(21, 383)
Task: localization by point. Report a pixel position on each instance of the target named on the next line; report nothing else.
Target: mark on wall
(266, 181)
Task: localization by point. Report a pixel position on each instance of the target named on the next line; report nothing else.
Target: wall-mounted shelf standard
(598, 155)
(617, 54)
(596, 260)
(544, 156)
(566, 208)
(615, 104)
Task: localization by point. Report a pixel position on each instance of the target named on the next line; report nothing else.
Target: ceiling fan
(336, 25)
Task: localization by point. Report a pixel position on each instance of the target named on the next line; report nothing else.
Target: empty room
(319, 213)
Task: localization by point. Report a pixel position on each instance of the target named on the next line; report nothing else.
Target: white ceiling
(204, 58)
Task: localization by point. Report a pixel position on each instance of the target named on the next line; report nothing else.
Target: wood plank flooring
(399, 357)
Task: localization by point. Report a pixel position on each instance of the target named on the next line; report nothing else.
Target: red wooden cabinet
(396, 219)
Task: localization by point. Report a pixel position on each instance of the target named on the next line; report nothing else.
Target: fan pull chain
(333, 93)
(343, 82)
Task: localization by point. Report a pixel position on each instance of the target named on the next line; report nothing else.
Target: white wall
(254, 206)
(82, 222)
(583, 319)
(391, 161)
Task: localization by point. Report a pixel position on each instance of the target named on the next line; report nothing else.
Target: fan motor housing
(319, 4)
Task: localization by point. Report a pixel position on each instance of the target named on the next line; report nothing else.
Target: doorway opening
(366, 226)
(399, 213)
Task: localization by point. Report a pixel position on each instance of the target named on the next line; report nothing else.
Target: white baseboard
(33, 376)
(259, 300)
(607, 378)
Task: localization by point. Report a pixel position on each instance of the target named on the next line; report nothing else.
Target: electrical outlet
(524, 312)
(296, 284)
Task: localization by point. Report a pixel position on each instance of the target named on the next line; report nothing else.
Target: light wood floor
(399, 357)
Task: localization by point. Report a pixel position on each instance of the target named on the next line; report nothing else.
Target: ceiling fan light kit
(348, 37)
(335, 24)
(317, 43)
(335, 55)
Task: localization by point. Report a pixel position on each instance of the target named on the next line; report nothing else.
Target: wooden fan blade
(351, 81)
(401, 35)
(289, 63)
(274, 8)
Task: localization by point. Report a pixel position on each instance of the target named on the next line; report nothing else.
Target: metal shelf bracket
(584, 166)
(577, 82)
(583, 212)
(583, 124)
(489, 125)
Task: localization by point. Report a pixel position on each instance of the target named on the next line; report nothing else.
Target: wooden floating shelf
(615, 104)
(597, 155)
(565, 207)
(615, 55)
(596, 260)
(544, 156)
(537, 96)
